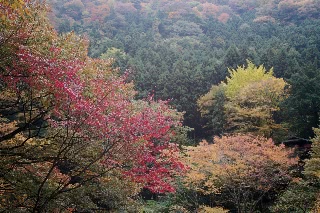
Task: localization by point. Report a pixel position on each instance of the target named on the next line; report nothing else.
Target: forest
(160, 106)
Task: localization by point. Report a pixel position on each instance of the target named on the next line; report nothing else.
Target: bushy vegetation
(105, 112)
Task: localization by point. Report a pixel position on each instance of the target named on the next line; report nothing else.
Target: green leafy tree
(303, 105)
(233, 57)
(120, 58)
(247, 102)
(312, 167)
(211, 106)
(302, 195)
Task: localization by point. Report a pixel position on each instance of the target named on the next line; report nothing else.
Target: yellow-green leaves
(243, 76)
(252, 109)
(249, 99)
(11, 10)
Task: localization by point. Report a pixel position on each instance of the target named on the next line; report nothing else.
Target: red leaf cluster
(99, 106)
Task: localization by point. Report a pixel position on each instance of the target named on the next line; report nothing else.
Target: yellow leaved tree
(249, 99)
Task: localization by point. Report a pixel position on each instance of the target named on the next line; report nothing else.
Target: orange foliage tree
(242, 169)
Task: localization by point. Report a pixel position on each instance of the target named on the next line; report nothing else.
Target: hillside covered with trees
(177, 49)
(159, 106)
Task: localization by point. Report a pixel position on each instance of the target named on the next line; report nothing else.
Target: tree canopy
(249, 100)
(71, 131)
(103, 104)
(241, 169)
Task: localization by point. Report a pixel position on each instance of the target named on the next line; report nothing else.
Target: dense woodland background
(178, 49)
(160, 106)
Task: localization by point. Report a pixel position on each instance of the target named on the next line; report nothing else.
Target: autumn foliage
(75, 137)
(249, 101)
(69, 122)
(242, 168)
